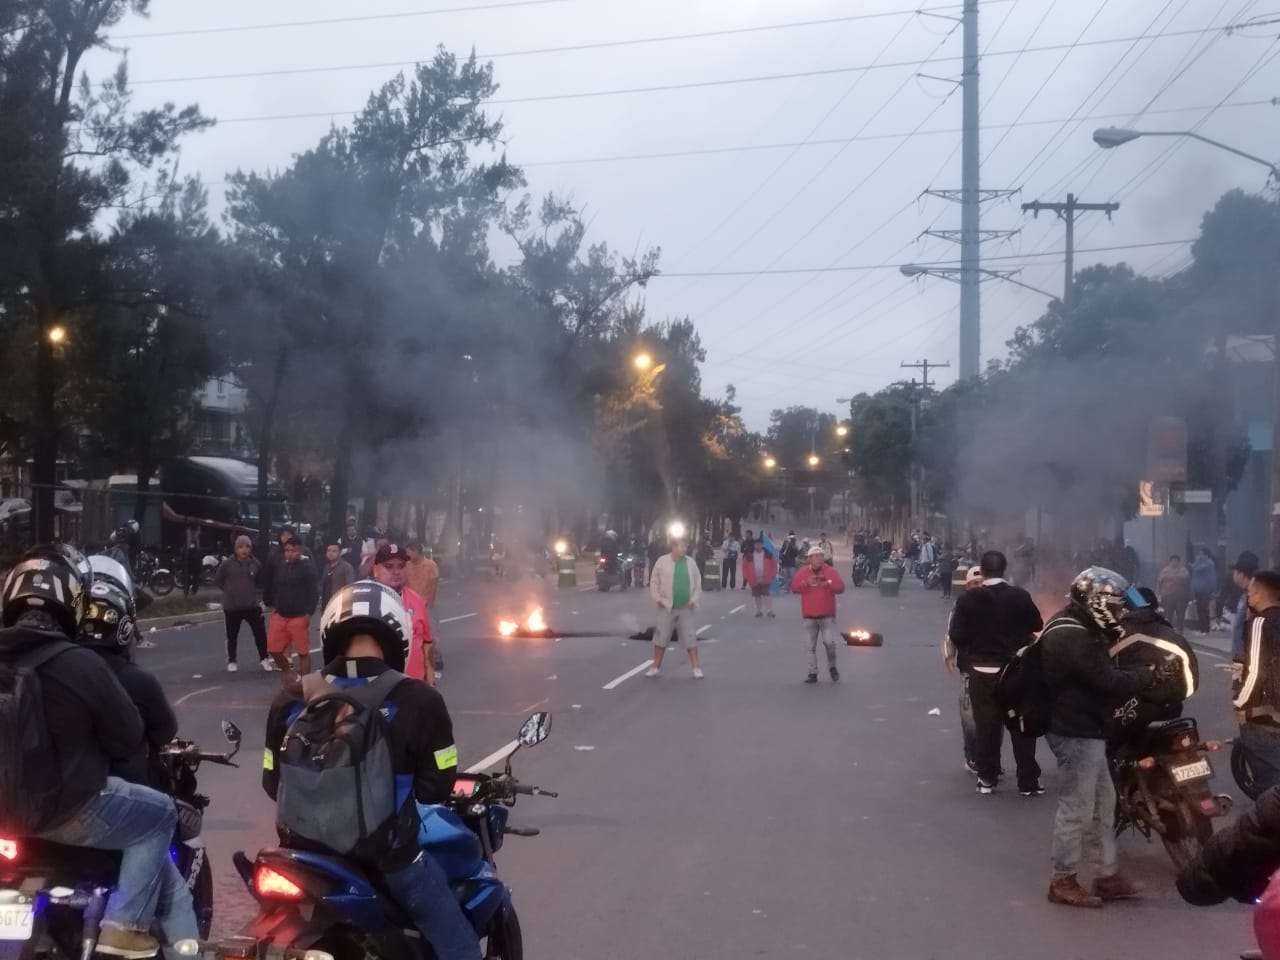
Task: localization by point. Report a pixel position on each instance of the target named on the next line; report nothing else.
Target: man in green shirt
(676, 587)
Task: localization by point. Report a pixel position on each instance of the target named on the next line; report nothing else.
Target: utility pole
(971, 196)
(924, 366)
(1067, 211)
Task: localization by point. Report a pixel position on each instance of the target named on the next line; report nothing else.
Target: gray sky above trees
(843, 155)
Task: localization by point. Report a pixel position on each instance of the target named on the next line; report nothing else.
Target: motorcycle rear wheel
(162, 583)
(506, 942)
(1185, 833)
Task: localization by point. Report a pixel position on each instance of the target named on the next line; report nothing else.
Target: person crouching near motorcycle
(818, 585)
(109, 630)
(676, 587)
(72, 798)
(1150, 640)
(365, 633)
(1257, 699)
(1084, 685)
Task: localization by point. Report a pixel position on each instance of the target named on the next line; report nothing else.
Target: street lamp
(814, 460)
(842, 431)
(1110, 137)
(770, 463)
(57, 335)
(643, 361)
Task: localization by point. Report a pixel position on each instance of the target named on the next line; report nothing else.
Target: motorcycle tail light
(1146, 763)
(8, 849)
(272, 883)
(1212, 744)
(1209, 804)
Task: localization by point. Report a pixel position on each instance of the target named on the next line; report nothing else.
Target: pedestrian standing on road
(818, 584)
(1084, 686)
(292, 598)
(988, 626)
(370, 557)
(968, 731)
(729, 564)
(1246, 566)
(351, 544)
(337, 573)
(676, 587)
(1173, 586)
(748, 545)
(828, 550)
(946, 570)
(1257, 699)
(238, 577)
(422, 576)
(193, 560)
(390, 568)
(759, 567)
(1204, 579)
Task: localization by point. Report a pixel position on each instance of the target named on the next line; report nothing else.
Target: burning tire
(862, 638)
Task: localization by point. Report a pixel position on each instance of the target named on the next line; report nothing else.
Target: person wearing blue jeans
(422, 889)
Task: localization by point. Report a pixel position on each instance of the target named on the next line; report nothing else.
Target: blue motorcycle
(315, 906)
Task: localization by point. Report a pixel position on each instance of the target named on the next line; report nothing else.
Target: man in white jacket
(676, 587)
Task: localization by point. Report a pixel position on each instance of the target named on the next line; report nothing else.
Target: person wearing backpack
(1084, 685)
(405, 753)
(64, 720)
(988, 626)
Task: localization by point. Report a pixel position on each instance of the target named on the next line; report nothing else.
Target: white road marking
(586, 589)
(738, 609)
(194, 693)
(465, 616)
(701, 630)
(496, 757)
(628, 675)
(584, 747)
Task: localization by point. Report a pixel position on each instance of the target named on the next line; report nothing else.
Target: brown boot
(1116, 887)
(115, 941)
(1067, 891)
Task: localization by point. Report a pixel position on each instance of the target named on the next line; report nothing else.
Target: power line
(241, 28)
(882, 266)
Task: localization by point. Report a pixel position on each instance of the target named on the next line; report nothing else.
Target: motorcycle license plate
(17, 919)
(1184, 772)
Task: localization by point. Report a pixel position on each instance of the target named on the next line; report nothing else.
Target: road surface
(744, 815)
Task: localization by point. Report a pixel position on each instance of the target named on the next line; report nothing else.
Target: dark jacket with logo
(292, 589)
(91, 720)
(992, 623)
(1259, 692)
(1084, 682)
(420, 734)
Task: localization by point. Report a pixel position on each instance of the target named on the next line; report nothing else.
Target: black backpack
(337, 779)
(29, 776)
(1024, 699)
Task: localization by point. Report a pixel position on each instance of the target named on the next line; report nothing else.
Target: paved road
(745, 815)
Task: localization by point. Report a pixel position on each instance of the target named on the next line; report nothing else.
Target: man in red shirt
(389, 568)
(818, 583)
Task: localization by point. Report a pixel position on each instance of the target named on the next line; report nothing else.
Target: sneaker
(811, 678)
(232, 666)
(1035, 790)
(770, 615)
(1068, 892)
(759, 614)
(652, 672)
(1116, 887)
(697, 673)
(971, 767)
(986, 789)
(115, 941)
(835, 675)
(268, 664)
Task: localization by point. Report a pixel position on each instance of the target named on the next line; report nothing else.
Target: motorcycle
(52, 896)
(861, 569)
(615, 571)
(1162, 787)
(156, 578)
(329, 909)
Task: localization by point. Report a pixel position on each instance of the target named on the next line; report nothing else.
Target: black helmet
(53, 578)
(367, 606)
(109, 621)
(1103, 595)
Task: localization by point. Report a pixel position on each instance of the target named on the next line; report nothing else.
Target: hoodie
(92, 722)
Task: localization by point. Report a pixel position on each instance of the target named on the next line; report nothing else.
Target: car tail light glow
(8, 849)
(271, 883)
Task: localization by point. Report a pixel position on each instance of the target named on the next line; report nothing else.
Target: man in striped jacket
(1257, 700)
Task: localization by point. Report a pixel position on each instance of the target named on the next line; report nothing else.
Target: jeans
(785, 573)
(175, 911)
(1085, 824)
(823, 628)
(989, 735)
(257, 626)
(1261, 744)
(1203, 600)
(139, 822)
(729, 574)
(422, 891)
(1175, 607)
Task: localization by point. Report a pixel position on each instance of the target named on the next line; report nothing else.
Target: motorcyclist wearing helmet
(91, 724)
(1085, 685)
(365, 631)
(1149, 638)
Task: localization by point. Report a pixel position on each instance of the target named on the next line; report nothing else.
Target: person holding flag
(759, 569)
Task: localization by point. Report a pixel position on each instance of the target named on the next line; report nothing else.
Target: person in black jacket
(358, 647)
(1150, 639)
(91, 724)
(1257, 698)
(291, 592)
(989, 625)
(1085, 685)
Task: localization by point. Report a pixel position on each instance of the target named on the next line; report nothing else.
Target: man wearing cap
(968, 732)
(818, 583)
(389, 568)
(676, 587)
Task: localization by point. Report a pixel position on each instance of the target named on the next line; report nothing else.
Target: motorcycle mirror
(231, 732)
(536, 729)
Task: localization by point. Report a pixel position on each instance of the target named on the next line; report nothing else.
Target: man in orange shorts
(292, 596)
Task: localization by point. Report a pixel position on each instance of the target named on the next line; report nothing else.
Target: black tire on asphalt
(202, 898)
(162, 583)
(506, 942)
(1185, 834)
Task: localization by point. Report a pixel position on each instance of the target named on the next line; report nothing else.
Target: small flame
(507, 628)
(535, 623)
(860, 634)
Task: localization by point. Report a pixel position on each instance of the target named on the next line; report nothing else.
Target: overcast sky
(794, 337)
